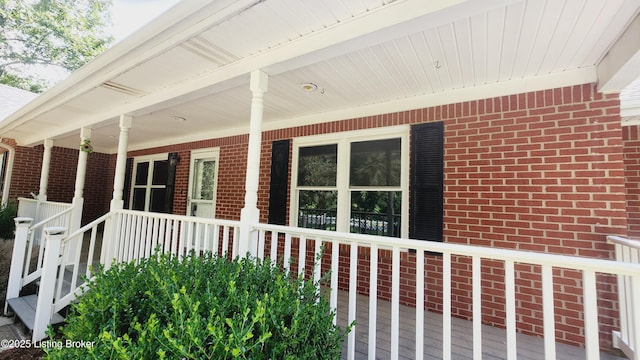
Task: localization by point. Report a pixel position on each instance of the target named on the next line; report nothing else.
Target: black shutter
(426, 200)
(173, 159)
(278, 187)
(126, 191)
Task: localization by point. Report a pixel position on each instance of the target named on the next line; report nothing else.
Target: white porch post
(78, 199)
(117, 202)
(250, 213)
(109, 242)
(44, 170)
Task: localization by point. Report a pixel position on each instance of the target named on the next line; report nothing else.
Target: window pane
(138, 199)
(376, 212)
(317, 165)
(157, 200)
(375, 163)
(204, 179)
(317, 209)
(160, 172)
(142, 172)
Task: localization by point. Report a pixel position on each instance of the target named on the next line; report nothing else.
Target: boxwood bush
(200, 308)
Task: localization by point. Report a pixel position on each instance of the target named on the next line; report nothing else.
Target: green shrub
(8, 212)
(201, 308)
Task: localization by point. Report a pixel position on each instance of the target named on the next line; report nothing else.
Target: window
(149, 188)
(352, 182)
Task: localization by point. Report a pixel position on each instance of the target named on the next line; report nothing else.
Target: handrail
(87, 227)
(529, 257)
(52, 217)
(632, 243)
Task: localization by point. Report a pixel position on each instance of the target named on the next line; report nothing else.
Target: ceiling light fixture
(309, 87)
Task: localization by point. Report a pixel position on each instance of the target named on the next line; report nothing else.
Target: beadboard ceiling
(185, 76)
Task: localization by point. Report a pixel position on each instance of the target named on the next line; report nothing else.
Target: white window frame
(151, 159)
(343, 140)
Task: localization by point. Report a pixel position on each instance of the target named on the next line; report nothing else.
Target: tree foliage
(59, 34)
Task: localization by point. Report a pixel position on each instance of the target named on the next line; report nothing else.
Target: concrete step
(25, 308)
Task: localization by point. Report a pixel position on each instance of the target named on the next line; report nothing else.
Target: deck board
(493, 339)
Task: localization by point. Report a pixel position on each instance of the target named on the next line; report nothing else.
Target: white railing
(40, 210)
(24, 267)
(279, 243)
(122, 236)
(628, 338)
(31, 271)
(138, 234)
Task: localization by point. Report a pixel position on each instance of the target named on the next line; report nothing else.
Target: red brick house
(495, 125)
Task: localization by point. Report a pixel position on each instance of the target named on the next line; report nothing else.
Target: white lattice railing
(628, 338)
(301, 246)
(121, 236)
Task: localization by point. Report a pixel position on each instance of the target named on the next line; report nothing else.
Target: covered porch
(521, 223)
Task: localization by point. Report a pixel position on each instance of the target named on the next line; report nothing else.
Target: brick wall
(631, 137)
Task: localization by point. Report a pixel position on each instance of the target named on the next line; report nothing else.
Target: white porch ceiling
(366, 57)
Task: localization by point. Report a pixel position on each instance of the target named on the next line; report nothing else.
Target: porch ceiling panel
(452, 47)
(189, 60)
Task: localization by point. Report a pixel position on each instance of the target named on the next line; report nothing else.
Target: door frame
(203, 154)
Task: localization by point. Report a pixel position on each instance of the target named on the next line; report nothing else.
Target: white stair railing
(628, 338)
(301, 246)
(121, 236)
(14, 284)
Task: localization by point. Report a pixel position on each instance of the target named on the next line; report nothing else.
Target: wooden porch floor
(493, 339)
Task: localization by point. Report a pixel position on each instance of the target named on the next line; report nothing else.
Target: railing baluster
(446, 305)
(317, 261)
(302, 255)
(287, 251)
(510, 307)
(274, 246)
(225, 241)
(234, 251)
(335, 267)
(353, 283)
(261, 241)
(477, 306)
(591, 329)
(373, 301)
(419, 304)
(92, 246)
(175, 229)
(216, 239)
(395, 303)
(548, 313)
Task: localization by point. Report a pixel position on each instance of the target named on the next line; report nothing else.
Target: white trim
(207, 153)
(343, 140)
(8, 171)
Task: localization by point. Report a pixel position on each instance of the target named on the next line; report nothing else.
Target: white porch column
(250, 213)
(109, 242)
(78, 197)
(117, 202)
(44, 170)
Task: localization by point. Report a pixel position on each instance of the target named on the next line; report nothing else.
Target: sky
(129, 15)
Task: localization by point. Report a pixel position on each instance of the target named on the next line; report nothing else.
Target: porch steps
(25, 308)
